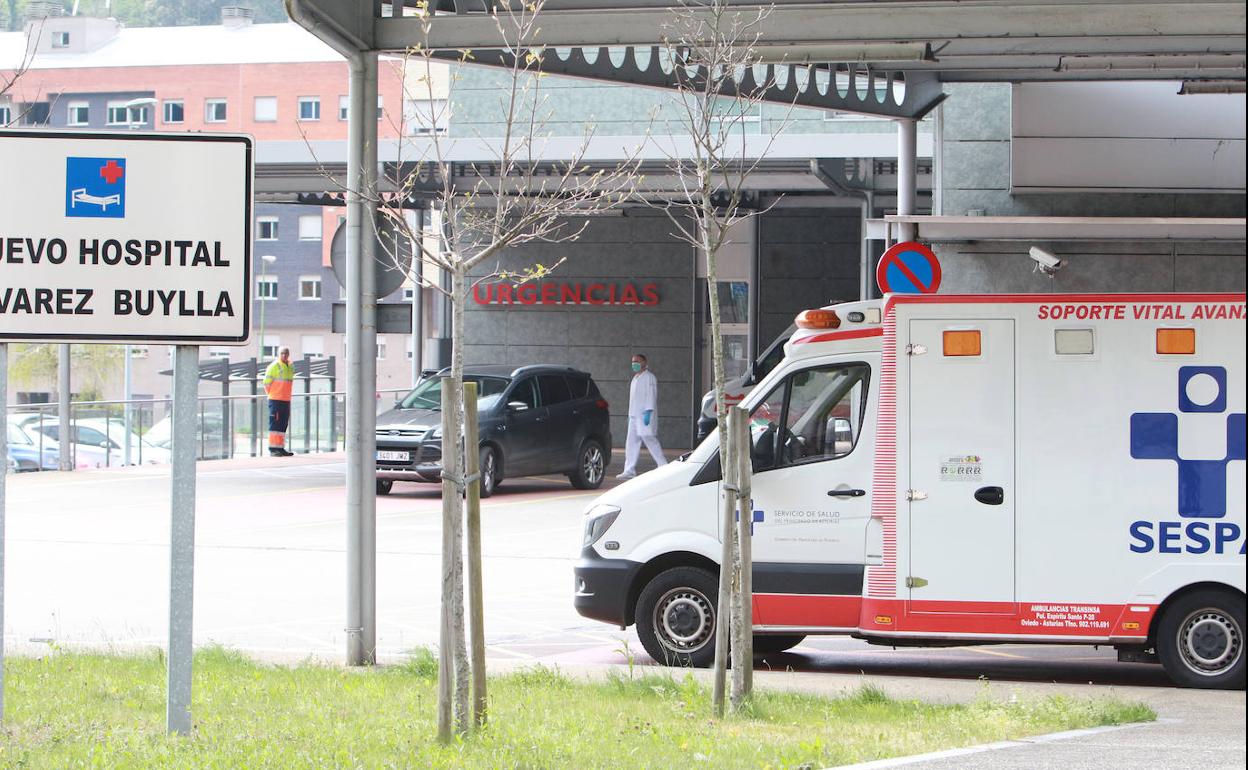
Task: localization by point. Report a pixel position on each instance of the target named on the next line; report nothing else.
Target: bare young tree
(721, 83)
(513, 197)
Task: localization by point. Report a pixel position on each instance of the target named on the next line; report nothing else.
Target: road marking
(998, 653)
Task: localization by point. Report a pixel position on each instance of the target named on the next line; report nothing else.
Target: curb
(1065, 735)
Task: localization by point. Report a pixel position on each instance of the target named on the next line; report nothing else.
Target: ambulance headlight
(597, 521)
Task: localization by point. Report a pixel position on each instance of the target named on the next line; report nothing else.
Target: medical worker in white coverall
(643, 418)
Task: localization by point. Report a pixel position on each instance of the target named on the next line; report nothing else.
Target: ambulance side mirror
(517, 406)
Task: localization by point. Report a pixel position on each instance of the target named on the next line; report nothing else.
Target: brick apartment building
(274, 82)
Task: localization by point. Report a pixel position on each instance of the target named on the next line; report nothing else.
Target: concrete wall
(809, 257)
(975, 176)
(601, 339)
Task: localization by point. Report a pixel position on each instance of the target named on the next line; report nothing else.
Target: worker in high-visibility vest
(279, 378)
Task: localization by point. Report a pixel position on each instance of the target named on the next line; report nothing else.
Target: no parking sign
(908, 268)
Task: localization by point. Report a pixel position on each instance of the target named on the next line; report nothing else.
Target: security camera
(1045, 262)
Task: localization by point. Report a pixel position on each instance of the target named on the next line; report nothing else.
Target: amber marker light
(818, 319)
(962, 342)
(1180, 342)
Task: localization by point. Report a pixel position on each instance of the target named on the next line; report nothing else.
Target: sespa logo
(1202, 483)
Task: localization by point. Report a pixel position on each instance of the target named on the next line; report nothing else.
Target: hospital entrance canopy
(818, 45)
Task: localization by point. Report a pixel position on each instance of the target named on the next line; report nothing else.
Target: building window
(310, 227)
(409, 293)
(118, 114)
(266, 228)
(410, 346)
(426, 116)
(266, 109)
(214, 111)
(344, 107)
(309, 287)
(266, 287)
(60, 40)
(138, 115)
(79, 114)
(269, 346)
(175, 111)
(309, 108)
(381, 349)
(312, 345)
(6, 114)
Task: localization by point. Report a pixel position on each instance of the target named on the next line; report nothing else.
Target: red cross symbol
(112, 172)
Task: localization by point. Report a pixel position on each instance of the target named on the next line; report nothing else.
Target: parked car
(29, 454)
(99, 442)
(532, 420)
(212, 436)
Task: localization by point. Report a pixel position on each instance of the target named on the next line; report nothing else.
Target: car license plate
(394, 456)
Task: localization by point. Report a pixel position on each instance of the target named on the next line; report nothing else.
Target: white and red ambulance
(934, 469)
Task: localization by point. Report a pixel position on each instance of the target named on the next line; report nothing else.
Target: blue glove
(645, 416)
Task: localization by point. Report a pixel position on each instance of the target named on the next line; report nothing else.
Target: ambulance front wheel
(676, 617)
(1200, 640)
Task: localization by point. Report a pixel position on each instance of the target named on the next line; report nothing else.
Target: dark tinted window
(554, 389)
(579, 386)
(524, 393)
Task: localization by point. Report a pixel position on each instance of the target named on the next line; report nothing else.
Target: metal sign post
(132, 239)
(4, 450)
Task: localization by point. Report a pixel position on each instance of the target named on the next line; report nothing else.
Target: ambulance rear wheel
(764, 645)
(384, 486)
(1200, 640)
(676, 617)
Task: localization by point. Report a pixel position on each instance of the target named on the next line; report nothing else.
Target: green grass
(107, 711)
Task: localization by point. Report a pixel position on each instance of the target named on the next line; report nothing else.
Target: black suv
(533, 419)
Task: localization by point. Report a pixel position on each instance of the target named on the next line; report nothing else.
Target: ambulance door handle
(846, 492)
(990, 495)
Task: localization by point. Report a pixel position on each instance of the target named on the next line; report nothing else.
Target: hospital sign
(125, 237)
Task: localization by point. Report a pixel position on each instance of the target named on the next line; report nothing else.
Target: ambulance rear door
(961, 397)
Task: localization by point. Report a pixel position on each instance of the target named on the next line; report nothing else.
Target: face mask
(636, 366)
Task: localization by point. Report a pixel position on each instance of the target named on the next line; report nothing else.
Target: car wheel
(591, 466)
(1200, 640)
(489, 472)
(676, 617)
(384, 486)
(764, 645)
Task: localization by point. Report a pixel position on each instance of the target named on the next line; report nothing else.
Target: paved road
(87, 564)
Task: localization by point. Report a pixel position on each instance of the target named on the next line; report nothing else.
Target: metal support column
(126, 396)
(182, 539)
(361, 362)
(418, 300)
(307, 403)
(367, 455)
(907, 172)
(4, 452)
(253, 381)
(64, 433)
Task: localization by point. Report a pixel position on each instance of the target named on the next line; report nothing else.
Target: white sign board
(128, 238)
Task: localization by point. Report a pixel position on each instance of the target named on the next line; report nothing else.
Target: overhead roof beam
(835, 23)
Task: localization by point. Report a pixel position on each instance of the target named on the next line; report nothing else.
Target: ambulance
(936, 470)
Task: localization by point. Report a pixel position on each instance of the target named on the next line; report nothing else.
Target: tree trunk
(463, 674)
(723, 617)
